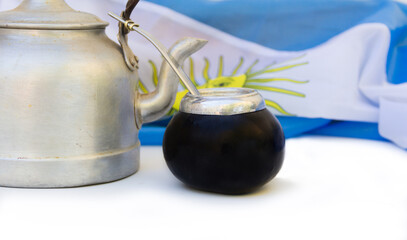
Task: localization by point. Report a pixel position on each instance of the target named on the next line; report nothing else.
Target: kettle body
(70, 110)
(55, 122)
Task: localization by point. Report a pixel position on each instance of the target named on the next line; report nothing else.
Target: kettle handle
(129, 57)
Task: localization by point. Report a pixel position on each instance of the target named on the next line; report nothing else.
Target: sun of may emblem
(251, 78)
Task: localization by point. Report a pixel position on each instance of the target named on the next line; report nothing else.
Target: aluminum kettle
(70, 110)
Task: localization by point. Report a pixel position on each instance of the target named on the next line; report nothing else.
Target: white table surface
(329, 188)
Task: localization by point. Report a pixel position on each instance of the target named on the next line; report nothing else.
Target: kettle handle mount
(176, 67)
(126, 25)
(129, 57)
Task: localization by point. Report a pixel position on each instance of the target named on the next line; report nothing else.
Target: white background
(329, 188)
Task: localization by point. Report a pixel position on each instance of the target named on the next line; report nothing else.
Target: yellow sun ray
(276, 69)
(206, 70)
(270, 65)
(274, 89)
(264, 80)
(191, 71)
(277, 107)
(142, 87)
(251, 66)
(220, 69)
(293, 59)
(238, 66)
(155, 75)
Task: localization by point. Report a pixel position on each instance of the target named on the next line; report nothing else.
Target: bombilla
(131, 26)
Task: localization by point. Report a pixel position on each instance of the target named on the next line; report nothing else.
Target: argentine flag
(324, 67)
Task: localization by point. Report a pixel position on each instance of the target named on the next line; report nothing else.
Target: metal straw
(130, 25)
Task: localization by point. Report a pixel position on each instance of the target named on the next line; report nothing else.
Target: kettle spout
(156, 104)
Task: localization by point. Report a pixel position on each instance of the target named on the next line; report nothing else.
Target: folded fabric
(313, 61)
(350, 62)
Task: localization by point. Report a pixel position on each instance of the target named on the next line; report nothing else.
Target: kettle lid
(48, 14)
